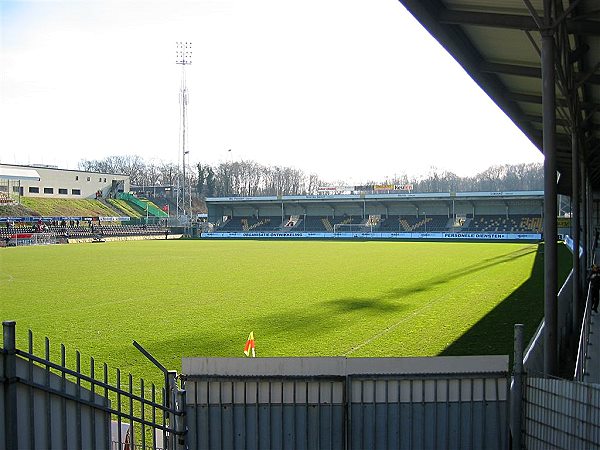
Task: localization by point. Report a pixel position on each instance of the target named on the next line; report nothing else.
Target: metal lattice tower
(183, 58)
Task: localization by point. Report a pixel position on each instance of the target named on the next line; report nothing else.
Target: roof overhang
(11, 173)
(345, 199)
(498, 44)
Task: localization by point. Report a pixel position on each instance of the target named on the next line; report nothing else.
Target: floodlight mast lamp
(183, 58)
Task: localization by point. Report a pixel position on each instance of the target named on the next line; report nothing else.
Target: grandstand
(48, 191)
(495, 215)
(520, 223)
(86, 206)
(53, 207)
(164, 196)
(63, 231)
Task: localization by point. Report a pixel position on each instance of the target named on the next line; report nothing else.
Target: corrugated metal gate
(270, 412)
(429, 411)
(339, 403)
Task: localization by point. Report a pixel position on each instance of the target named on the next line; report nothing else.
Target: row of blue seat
(394, 223)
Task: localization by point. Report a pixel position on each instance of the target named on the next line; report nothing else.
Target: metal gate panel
(429, 411)
(354, 403)
(270, 412)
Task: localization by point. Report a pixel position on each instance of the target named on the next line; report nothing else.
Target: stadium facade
(51, 182)
(461, 215)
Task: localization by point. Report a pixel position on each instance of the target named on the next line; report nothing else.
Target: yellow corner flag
(250, 345)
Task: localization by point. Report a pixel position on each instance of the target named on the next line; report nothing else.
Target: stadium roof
(15, 173)
(503, 196)
(6, 166)
(498, 43)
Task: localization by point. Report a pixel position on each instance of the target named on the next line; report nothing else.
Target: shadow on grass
(338, 312)
(382, 302)
(493, 334)
(200, 342)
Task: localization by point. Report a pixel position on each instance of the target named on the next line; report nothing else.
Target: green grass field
(202, 298)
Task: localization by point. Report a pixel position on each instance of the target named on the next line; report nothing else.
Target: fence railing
(584, 337)
(534, 353)
(49, 404)
(147, 206)
(17, 239)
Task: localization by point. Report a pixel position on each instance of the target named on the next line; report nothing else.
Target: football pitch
(202, 298)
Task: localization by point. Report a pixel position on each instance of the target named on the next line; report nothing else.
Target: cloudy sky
(352, 90)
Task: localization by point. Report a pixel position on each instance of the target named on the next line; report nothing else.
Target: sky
(351, 90)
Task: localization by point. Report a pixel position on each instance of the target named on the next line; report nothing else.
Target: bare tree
(249, 178)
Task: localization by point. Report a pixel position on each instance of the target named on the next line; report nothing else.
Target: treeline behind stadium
(249, 178)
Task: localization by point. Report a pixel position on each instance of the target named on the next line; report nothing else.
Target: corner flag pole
(250, 345)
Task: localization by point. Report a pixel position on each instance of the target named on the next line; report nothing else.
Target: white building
(52, 182)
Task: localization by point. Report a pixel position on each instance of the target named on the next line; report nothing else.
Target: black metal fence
(49, 405)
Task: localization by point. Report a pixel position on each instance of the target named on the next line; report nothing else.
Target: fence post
(171, 390)
(516, 398)
(180, 422)
(10, 373)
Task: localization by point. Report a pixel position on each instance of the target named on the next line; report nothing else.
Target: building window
(62, 191)
(34, 190)
(105, 180)
(16, 188)
(100, 179)
(76, 191)
(76, 177)
(48, 190)
(88, 178)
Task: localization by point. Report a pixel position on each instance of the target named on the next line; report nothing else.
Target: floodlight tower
(183, 58)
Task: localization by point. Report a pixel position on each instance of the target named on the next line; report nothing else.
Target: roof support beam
(511, 69)
(527, 71)
(512, 21)
(528, 98)
(575, 227)
(593, 126)
(539, 119)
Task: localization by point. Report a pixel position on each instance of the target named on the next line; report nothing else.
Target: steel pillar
(10, 386)
(516, 393)
(575, 227)
(584, 216)
(550, 209)
(589, 218)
